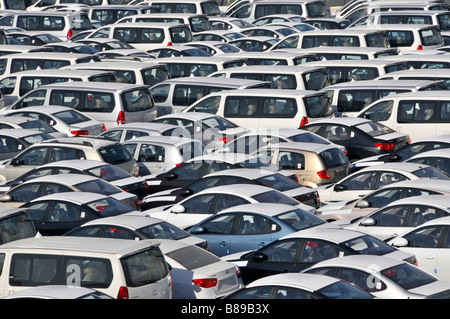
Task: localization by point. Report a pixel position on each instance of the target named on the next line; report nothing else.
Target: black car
(361, 137)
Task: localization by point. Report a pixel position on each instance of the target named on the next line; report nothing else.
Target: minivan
(41, 60)
(420, 74)
(111, 103)
(132, 72)
(258, 109)
(343, 53)
(342, 37)
(145, 35)
(407, 37)
(172, 96)
(19, 83)
(63, 25)
(197, 22)
(299, 77)
(123, 269)
(108, 14)
(350, 98)
(207, 7)
(418, 114)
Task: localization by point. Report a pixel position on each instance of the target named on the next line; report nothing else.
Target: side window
(160, 92)
(387, 178)
(134, 134)
(425, 237)
(221, 224)
(50, 188)
(207, 105)
(379, 112)
(9, 145)
(241, 107)
(359, 181)
(66, 98)
(25, 193)
(316, 250)
(421, 214)
(64, 212)
(38, 211)
(33, 156)
(284, 251)
(7, 85)
(190, 171)
(33, 99)
(391, 217)
(225, 201)
(278, 107)
(65, 153)
(98, 102)
(152, 153)
(215, 166)
(250, 224)
(131, 148)
(383, 197)
(102, 33)
(291, 160)
(113, 135)
(34, 269)
(95, 272)
(417, 111)
(444, 112)
(203, 204)
(362, 279)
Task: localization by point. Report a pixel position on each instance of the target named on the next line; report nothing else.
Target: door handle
(223, 243)
(429, 257)
(262, 244)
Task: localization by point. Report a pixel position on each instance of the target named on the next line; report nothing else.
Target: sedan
(255, 43)
(300, 250)
(400, 216)
(108, 172)
(384, 277)
(13, 141)
(63, 119)
(51, 184)
(228, 23)
(369, 179)
(361, 137)
(212, 130)
(214, 47)
(250, 176)
(429, 242)
(135, 226)
(382, 197)
(210, 201)
(299, 286)
(19, 122)
(56, 214)
(252, 226)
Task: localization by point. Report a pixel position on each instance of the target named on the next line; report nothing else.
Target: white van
(41, 60)
(197, 22)
(111, 103)
(418, 114)
(335, 37)
(172, 96)
(420, 74)
(62, 25)
(123, 269)
(19, 83)
(350, 98)
(407, 37)
(260, 109)
(145, 35)
(299, 77)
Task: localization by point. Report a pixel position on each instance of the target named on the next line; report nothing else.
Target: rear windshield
(16, 227)
(275, 197)
(333, 157)
(115, 154)
(38, 125)
(408, 276)
(98, 186)
(81, 22)
(210, 8)
(193, 257)
(374, 128)
(316, 9)
(180, 34)
(431, 37)
(315, 80)
(109, 207)
(109, 172)
(70, 117)
(278, 182)
(367, 245)
(145, 267)
(137, 100)
(318, 105)
(163, 230)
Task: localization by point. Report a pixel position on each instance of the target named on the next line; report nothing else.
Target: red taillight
(385, 146)
(79, 133)
(205, 283)
(238, 273)
(104, 127)
(137, 202)
(123, 293)
(304, 121)
(178, 164)
(323, 174)
(225, 140)
(69, 34)
(169, 44)
(121, 118)
(419, 47)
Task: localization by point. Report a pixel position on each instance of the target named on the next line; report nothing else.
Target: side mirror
(393, 158)
(259, 257)
(5, 198)
(196, 230)
(363, 204)
(340, 188)
(400, 242)
(16, 162)
(171, 176)
(368, 221)
(178, 209)
(185, 192)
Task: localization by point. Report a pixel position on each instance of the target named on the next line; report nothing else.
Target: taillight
(69, 34)
(225, 140)
(79, 132)
(121, 118)
(238, 273)
(205, 283)
(318, 197)
(419, 47)
(178, 164)
(169, 44)
(137, 202)
(104, 127)
(385, 146)
(323, 174)
(304, 121)
(123, 293)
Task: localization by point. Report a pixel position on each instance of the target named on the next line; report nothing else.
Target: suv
(65, 149)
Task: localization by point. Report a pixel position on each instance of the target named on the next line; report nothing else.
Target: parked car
(58, 292)
(135, 226)
(299, 286)
(400, 216)
(214, 47)
(300, 250)
(45, 185)
(436, 158)
(15, 224)
(104, 44)
(361, 137)
(37, 38)
(383, 196)
(371, 178)
(384, 277)
(14, 141)
(56, 214)
(62, 118)
(252, 226)
(210, 201)
(251, 176)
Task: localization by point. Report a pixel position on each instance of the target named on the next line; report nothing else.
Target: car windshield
(163, 230)
(16, 226)
(275, 197)
(278, 182)
(38, 125)
(109, 207)
(408, 276)
(108, 172)
(367, 245)
(299, 219)
(98, 186)
(374, 128)
(430, 172)
(342, 290)
(70, 117)
(192, 257)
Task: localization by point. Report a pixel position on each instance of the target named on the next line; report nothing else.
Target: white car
(199, 206)
(384, 277)
(400, 216)
(429, 242)
(364, 181)
(58, 292)
(197, 273)
(436, 158)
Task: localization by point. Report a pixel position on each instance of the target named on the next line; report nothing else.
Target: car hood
(192, 240)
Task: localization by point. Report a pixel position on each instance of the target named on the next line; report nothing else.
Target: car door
(24, 162)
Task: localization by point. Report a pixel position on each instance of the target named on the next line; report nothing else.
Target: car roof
(19, 133)
(82, 141)
(196, 116)
(398, 166)
(74, 197)
(269, 209)
(434, 153)
(309, 282)
(423, 183)
(205, 80)
(162, 140)
(8, 211)
(81, 244)
(242, 172)
(237, 189)
(418, 95)
(350, 62)
(435, 138)
(152, 126)
(224, 157)
(76, 163)
(131, 220)
(336, 235)
(432, 200)
(361, 262)
(70, 179)
(109, 86)
(68, 72)
(377, 84)
(347, 121)
(273, 68)
(53, 292)
(48, 109)
(303, 146)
